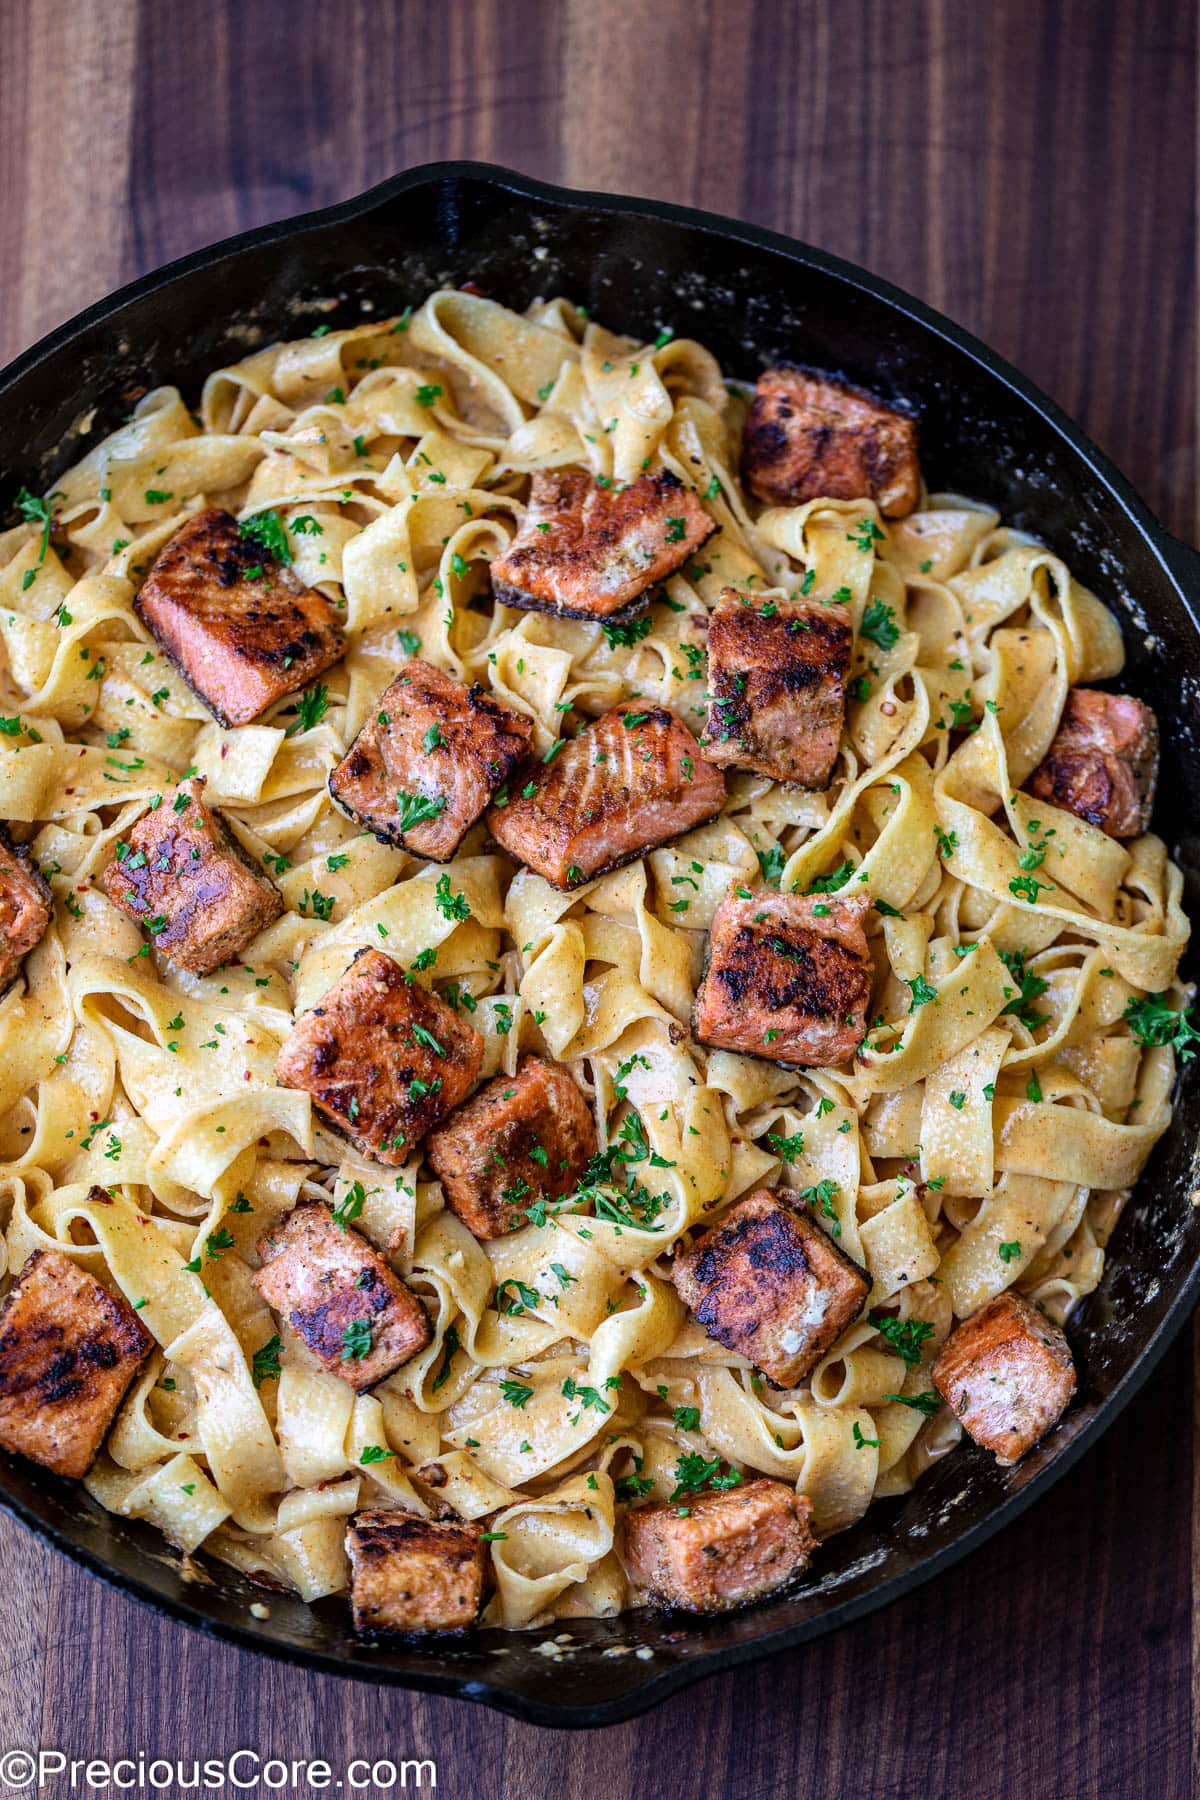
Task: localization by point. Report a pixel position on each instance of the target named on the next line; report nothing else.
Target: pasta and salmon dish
(586, 974)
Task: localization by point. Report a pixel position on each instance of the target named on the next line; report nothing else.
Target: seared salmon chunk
(521, 1140)
(25, 907)
(719, 1550)
(788, 977)
(630, 781)
(777, 672)
(428, 760)
(768, 1283)
(383, 1058)
(413, 1574)
(336, 1292)
(1008, 1374)
(589, 551)
(1103, 763)
(808, 437)
(183, 875)
(242, 630)
(69, 1349)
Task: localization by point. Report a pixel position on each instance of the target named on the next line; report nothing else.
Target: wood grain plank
(1027, 166)
(65, 137)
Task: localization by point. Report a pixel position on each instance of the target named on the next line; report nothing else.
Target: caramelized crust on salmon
(521, 1139)
(26, 904)
(428, 760)
(777, 671)
(336, 1292)
(242, 630)
(413, 1574)
(808, 437)
(788, 978)
(589, 551)
(1103, 763)
(630, 781)
(69, 1349)
(720, 1550)
(383, 1058)
(1008, 1374)
(768, 1283)
(183, 875)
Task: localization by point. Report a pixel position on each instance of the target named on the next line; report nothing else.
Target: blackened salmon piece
(1007, 1374)
(69, 1349)
(777, 671)
(767, 1282)
(522, 1139)
(1103, 763)
(413, 1574)
(240, 627)
(428, 760)
(788, 978)
(590, 551)
(336, 1292)
(719, 1550)
(383, 1058)
(183, 876)
(630, 781)
(808, 437)
(25, 907)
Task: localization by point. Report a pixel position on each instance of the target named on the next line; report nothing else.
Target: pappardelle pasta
(578, 1405)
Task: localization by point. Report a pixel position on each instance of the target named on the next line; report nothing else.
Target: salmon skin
(788, 978)
(239, 626)
(1103, 763)
(428, 760)
(809, 437)
(26, 904)
(182, 875)
(777, 671)
(1007, 1374)
(630, 781)
(719, 1551)
(593, 551)
(69, 1349)
(335, 1291)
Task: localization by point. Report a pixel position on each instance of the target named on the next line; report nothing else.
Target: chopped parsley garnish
(415, 809)
(452, 906)
(264, 1364)
(922, 992)
(694, 1473)
(1152, 1021)
(626, 632)
(267, 528)
(829, 884)
(450, 1344)
(311, 708)
(351, 1204)
(516, 1393)
(927, 1403)
(866, 535)
(786, 1148)
(879, 624)
(904, 1336)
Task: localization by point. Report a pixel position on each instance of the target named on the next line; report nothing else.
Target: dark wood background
(1026, 165)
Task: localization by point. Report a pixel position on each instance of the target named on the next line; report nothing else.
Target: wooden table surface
(1026, 165)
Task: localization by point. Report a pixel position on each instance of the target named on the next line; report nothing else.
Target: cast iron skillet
(751, 296)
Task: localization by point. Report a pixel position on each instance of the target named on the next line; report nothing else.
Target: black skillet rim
(1174, 557)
